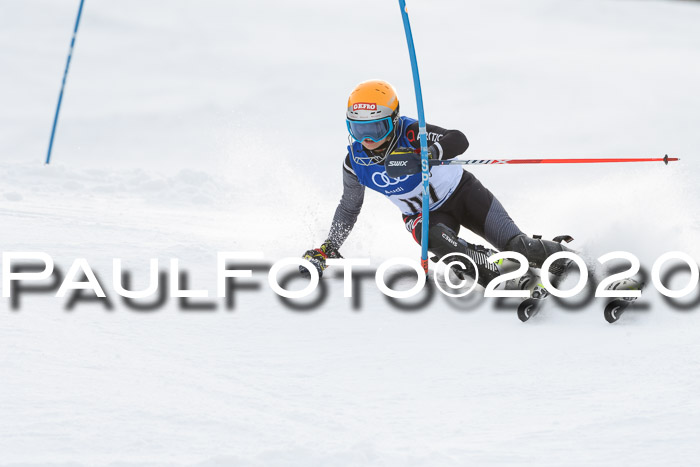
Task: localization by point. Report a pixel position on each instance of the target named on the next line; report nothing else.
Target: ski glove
(318, 257)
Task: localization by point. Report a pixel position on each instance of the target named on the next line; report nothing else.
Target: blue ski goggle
(375, 130)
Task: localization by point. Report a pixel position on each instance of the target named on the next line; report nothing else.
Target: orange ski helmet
(373, 114)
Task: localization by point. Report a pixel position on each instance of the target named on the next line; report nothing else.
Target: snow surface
(189, 128)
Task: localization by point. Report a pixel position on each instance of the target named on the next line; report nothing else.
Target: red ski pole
(399, 164)
(664, 159)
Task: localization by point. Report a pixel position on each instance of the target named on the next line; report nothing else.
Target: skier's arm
(343, 221)
(442, 143)
(349, 207)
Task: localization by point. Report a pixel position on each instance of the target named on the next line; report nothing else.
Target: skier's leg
(479, 210)
(473, 206)
(443, 240)
(414, 223)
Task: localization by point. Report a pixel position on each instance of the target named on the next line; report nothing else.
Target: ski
(531, 306)
(615, 308)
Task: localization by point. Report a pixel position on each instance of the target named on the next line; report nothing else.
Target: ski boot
(537, 251)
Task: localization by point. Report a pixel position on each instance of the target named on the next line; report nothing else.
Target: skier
(457, 198)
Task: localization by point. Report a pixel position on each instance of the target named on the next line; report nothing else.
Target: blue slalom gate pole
(422, 135)
(63, 83)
